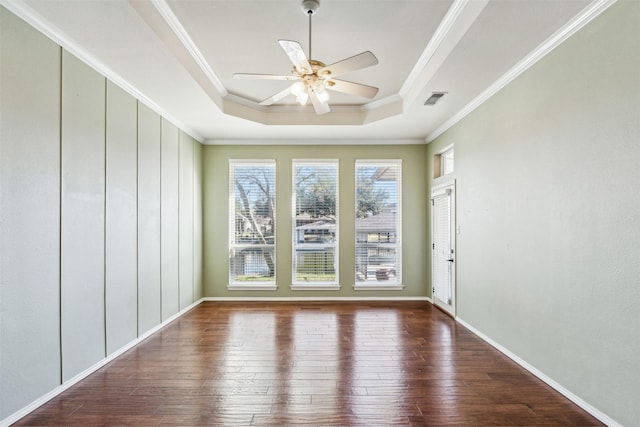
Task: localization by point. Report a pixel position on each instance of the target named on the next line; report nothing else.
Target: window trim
(258, 285)
(397, 284)
(315, 286)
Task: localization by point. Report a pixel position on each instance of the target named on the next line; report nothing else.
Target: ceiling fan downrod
(310, 7)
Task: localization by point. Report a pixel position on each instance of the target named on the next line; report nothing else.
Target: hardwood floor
(322, 364)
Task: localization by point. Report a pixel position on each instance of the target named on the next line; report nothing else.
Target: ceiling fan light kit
(313, 78)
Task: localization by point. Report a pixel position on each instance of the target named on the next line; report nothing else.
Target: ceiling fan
(312, 78)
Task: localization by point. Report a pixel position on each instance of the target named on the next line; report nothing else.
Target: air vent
(435, 97)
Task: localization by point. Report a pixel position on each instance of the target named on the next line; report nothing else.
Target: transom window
(446, 159)
(315, 224)
(443, 162)
(252, 232)
(378, 223)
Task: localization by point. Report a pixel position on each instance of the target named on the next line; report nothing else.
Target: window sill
(252, 287)
(380, 287)
(315, 287)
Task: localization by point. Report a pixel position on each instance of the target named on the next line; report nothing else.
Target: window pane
(315, 221)
(378, 218)
(447, 161)
(252, 264)
(315, 265)
(252, 222)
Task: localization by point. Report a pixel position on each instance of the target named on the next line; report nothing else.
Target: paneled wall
(121, 212)
(169, 191)
(99, 198)
(198, 225)
(82, 233)
(186, 221)
(149, 295)
(30, 362)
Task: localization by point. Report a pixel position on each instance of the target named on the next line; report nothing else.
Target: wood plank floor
(344, 364)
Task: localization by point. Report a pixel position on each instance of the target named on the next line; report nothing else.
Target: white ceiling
(179, 57)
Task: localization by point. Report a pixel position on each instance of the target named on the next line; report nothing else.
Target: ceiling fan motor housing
(310, 7)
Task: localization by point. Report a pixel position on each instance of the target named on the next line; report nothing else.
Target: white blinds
(315, 222)
(442, 273)
(252, 199)
(378, 222)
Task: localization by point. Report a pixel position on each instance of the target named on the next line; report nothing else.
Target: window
(252, 233)
(443, 163)
(378, 224)
(315, 224)
(446, 159)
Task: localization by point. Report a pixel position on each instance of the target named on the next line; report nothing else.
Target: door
(443, 247)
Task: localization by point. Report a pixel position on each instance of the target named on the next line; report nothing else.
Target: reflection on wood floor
(347, 364)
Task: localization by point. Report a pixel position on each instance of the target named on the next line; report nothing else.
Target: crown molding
(174, 23)
(315, 299)
(37, 21)
(311, 141)
(441, 33)
(380, 103)
(589, 13)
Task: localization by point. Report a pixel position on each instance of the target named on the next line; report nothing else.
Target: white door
(443, 247)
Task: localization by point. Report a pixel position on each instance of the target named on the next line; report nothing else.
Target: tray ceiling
(179, 57)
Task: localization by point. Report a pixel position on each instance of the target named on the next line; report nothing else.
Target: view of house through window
(252, 196)
(252, 234)
(315, 222)
(378, 222)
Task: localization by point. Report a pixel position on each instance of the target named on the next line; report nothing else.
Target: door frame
(440, 189)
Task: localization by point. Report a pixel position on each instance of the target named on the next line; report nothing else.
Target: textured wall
(547, 175)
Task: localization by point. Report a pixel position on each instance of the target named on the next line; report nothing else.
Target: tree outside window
(252, 196)
(315, 225)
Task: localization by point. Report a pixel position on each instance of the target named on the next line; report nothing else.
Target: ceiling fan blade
(277, 97)
(319, 106)
(263, 76)
(357, 62)
(352, 88)
(296, 55)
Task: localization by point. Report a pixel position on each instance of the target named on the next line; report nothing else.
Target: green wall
(414, 222)
(548, 205)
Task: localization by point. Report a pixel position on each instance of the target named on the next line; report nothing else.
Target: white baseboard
(318, 299)
(542, 376)
(67, 384)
